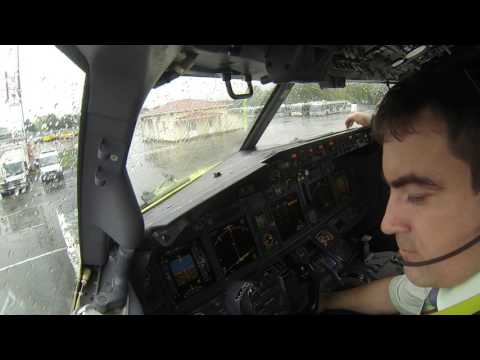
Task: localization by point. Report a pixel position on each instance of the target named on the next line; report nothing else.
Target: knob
(100, 179)
(102, 151)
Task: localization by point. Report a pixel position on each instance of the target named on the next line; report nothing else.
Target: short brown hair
(453, 94)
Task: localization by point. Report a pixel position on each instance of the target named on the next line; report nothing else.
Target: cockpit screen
(342, 187)
(234, 246)
(288, 216)
(185, 274)
(321, 196)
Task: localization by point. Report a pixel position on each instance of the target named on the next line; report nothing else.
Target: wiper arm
(177, 186)
(167, 186)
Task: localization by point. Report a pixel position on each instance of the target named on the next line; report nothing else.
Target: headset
(440, 258)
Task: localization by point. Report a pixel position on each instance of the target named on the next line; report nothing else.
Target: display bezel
(349, 195)
(182, 292)
(286, 236)
(212, 235)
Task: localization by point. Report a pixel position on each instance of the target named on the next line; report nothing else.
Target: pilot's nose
(394, 220)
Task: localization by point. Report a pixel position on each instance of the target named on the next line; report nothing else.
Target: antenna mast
(19, 90)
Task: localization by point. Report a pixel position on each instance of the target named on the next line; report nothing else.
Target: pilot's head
(429, 125)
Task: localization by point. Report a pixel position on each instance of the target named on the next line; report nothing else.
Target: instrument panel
(302, 195)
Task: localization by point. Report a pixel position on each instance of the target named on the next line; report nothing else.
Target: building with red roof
(188, 118)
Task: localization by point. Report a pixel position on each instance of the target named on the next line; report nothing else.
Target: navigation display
(234, 246)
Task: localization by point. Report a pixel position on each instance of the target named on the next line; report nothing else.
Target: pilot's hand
(361, 118)
(323, 301)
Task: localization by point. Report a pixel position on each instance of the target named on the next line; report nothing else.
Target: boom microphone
(441, 258)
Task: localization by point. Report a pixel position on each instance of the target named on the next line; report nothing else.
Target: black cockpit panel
(273, 217)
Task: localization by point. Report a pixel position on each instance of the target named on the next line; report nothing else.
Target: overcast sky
(51, 83)
(196, 88)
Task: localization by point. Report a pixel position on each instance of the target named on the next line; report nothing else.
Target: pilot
(429, 127)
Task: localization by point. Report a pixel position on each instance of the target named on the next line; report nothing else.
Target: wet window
(184, 128)
(40, 97)
(309, 111)
(48, 160)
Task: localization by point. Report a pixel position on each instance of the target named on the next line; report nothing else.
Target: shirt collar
(459, 293)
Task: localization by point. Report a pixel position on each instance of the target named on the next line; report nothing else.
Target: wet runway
(38, 230)
(36, 274)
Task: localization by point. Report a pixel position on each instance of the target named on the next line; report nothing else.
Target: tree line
(356, 93)
(52, 122)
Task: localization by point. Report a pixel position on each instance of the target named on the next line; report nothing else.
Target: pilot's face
(432, 208)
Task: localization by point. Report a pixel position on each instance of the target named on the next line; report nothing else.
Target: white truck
(14, 170)
(51, 172)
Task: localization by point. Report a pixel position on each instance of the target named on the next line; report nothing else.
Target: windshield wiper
(162, 193)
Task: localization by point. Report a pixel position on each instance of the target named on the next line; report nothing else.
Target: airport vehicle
(14, 168)
(66, 135)
(51, 172)
(48, 138)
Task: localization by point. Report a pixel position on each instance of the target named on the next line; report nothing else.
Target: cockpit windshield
(184, 128)
(309, 111)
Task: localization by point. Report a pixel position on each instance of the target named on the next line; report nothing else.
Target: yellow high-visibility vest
(470, 306)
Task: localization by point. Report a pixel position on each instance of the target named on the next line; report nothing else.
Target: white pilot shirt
(409, 299)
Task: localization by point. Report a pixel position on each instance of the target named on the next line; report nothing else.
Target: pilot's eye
(417, 199)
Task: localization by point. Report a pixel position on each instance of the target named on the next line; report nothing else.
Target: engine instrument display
(342, 187)
(265, 226)
(234, 245)
(321, 195)
(288, 215)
